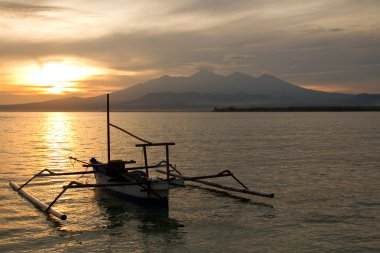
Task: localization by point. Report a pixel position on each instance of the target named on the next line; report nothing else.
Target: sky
(51, 48)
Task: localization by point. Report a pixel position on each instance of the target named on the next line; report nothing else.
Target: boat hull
(154, 192)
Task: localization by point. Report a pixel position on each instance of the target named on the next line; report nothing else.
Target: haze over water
(322, 167)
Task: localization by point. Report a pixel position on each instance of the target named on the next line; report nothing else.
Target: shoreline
(300, 109)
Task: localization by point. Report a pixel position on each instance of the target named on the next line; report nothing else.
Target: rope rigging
(129, 133)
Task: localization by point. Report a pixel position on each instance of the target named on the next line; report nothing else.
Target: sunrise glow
(56, 77)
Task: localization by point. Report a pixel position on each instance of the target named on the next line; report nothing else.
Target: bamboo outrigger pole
(222, 174)
(37, 202)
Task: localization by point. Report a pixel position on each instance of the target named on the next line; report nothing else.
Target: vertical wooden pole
(167, 162)
(108, 129)
(146, 162)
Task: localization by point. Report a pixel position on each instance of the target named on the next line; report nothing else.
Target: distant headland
(301, 109)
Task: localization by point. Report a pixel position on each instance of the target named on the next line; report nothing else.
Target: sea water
(324, 169)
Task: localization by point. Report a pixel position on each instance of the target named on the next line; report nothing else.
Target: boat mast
(108, 128)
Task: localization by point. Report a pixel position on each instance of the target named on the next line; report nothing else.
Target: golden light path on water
(58, 136)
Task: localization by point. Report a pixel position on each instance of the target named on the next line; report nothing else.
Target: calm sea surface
(324, 169)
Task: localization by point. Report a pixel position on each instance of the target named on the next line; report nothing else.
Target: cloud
(213, 6)
(27, 8)
(311, 42)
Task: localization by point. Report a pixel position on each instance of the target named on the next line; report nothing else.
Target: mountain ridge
(235, 82)
(204, 91)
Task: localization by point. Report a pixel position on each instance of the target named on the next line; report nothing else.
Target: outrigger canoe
(131, 182)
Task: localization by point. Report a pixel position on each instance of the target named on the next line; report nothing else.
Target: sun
(57, 77)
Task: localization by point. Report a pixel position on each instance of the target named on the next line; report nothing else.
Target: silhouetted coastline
(300, 109)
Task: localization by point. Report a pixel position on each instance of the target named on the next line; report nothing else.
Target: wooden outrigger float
(133, 183)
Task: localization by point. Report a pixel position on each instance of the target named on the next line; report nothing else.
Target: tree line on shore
(299, 109)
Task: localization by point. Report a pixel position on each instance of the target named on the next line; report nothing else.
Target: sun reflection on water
(58, 137)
